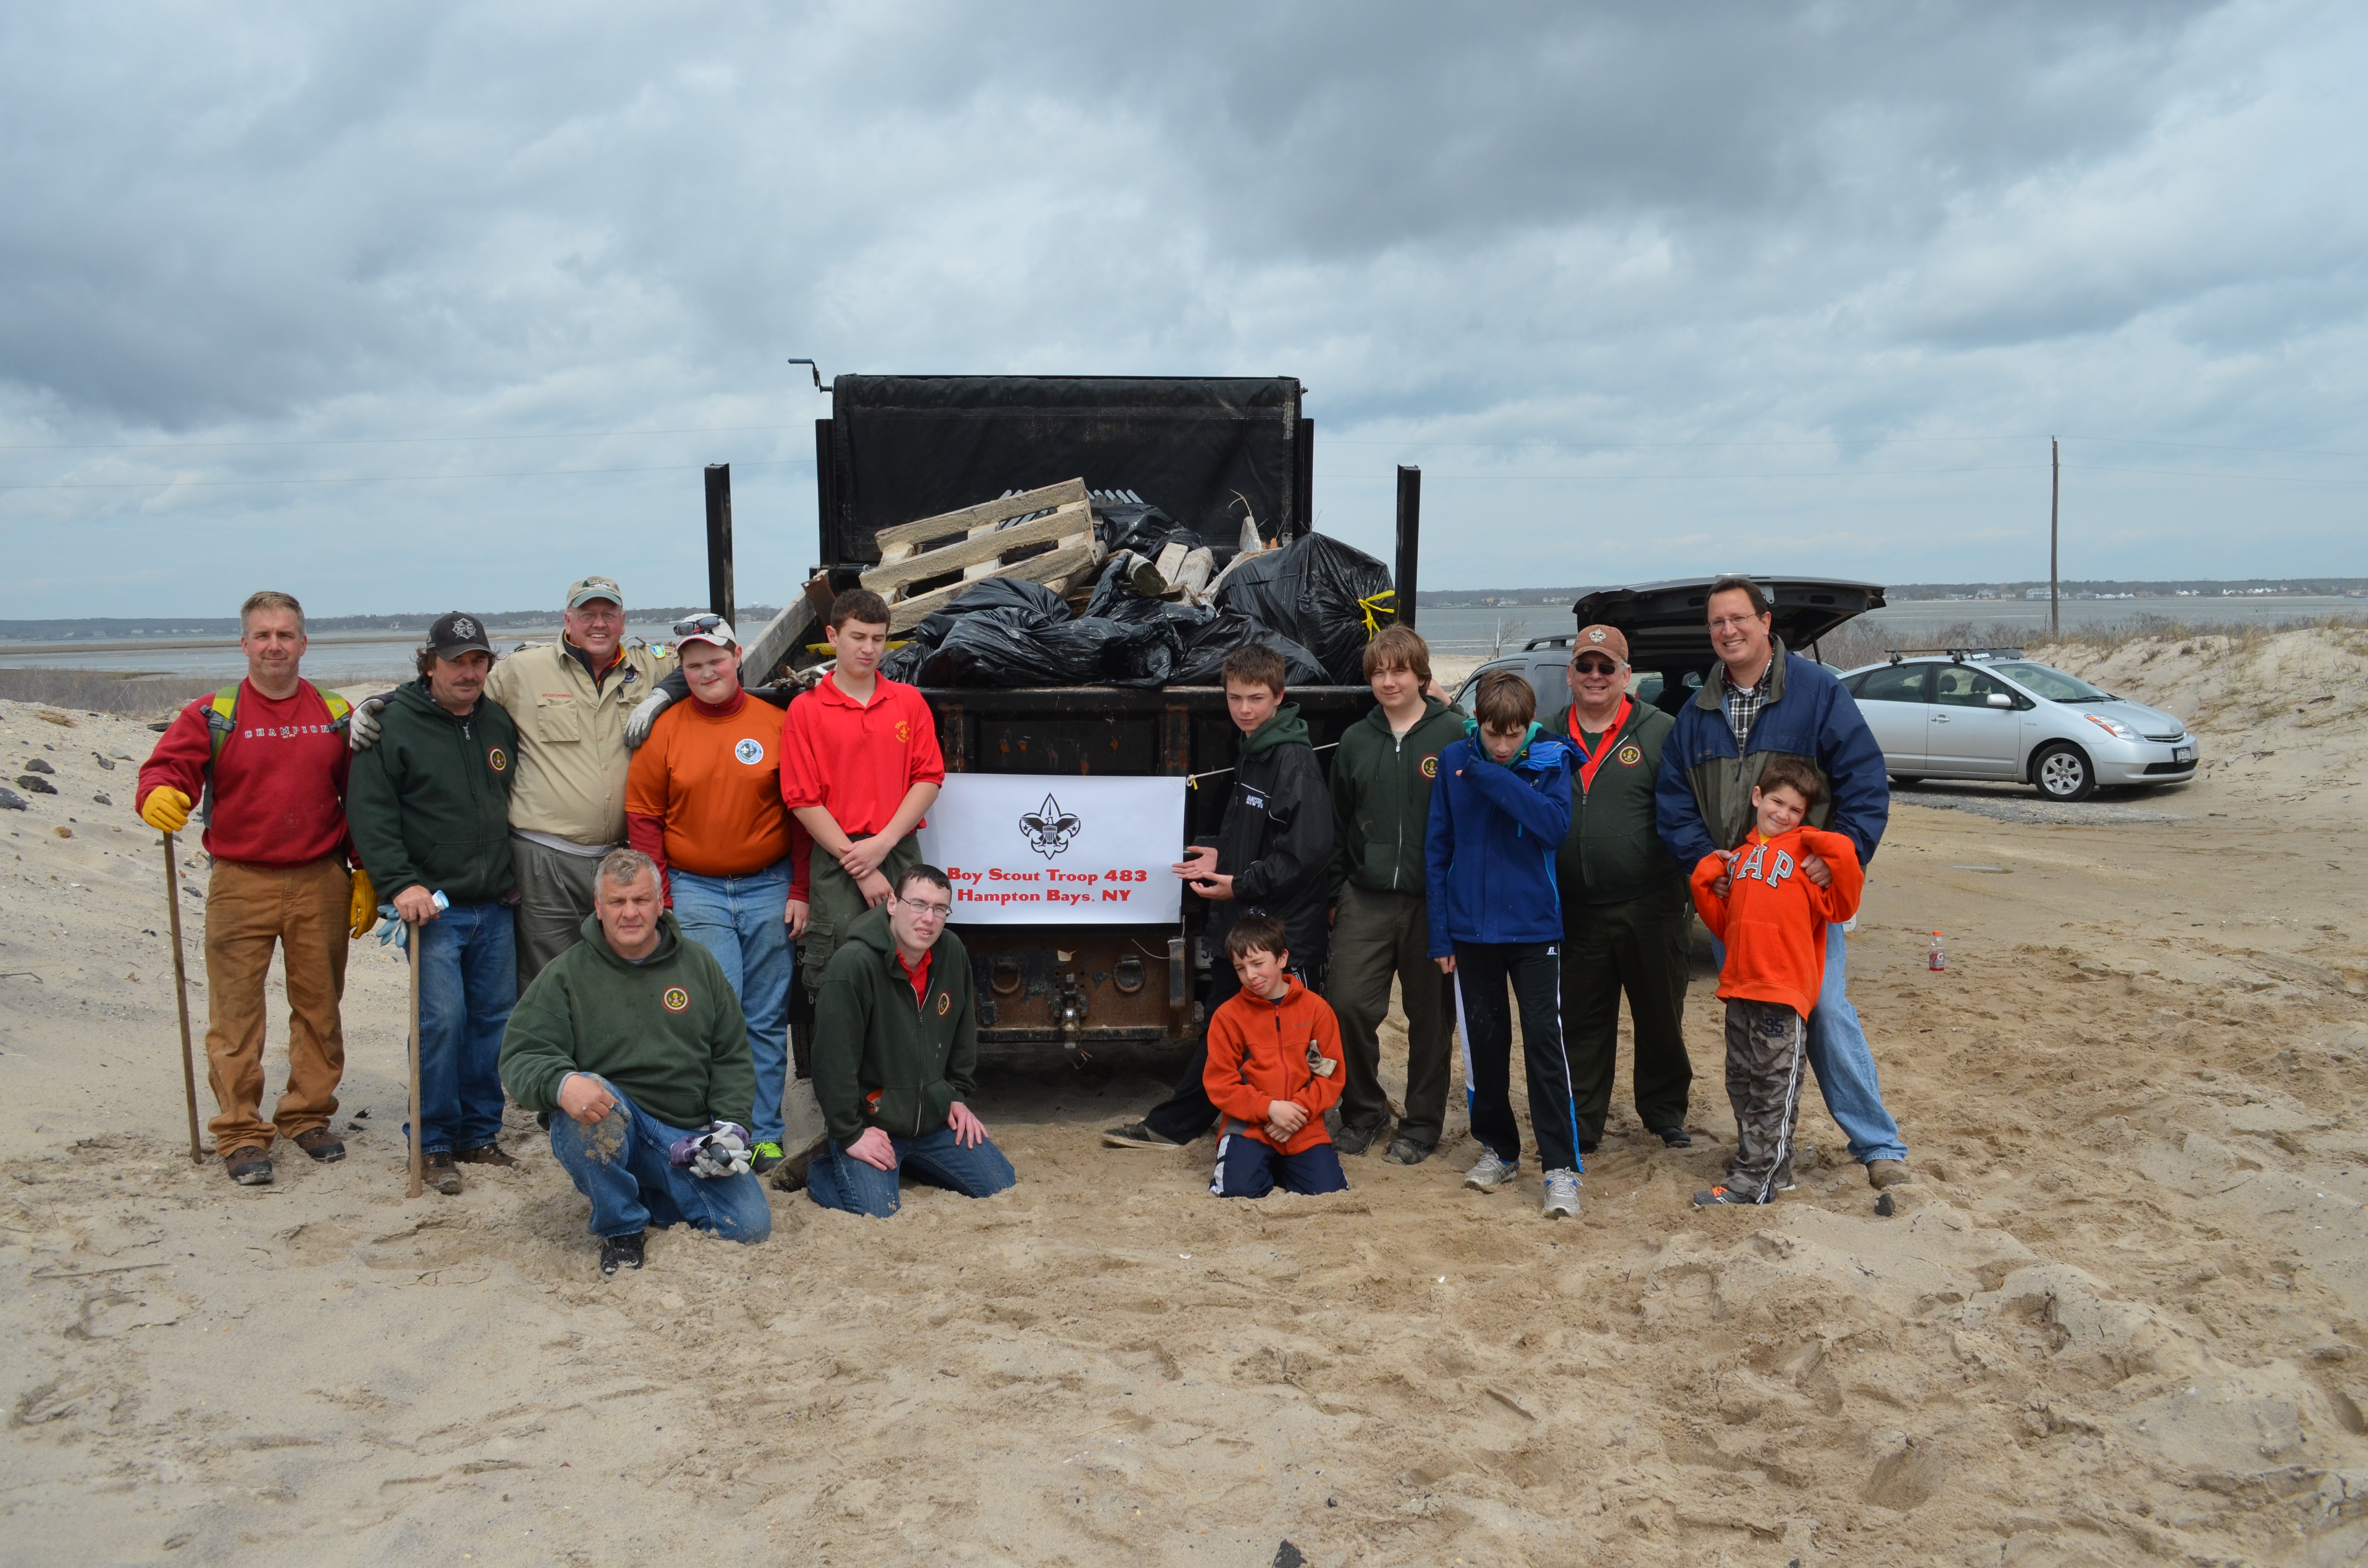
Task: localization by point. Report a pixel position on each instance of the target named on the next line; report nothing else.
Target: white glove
(723, 1153)
(637, 728)
(361, 730)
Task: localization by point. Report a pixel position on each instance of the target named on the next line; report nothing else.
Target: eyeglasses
(927, 911)
(1734, 622)
(685, 627)
(1594, 667)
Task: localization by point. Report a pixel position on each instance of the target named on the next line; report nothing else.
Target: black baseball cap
(455, 634)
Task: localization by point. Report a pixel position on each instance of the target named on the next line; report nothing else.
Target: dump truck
(1215, 454)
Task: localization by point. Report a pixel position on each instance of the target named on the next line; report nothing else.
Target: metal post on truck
(719, 541)
(1409, 539)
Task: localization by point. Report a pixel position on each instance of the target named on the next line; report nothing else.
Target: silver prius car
(1993, 714)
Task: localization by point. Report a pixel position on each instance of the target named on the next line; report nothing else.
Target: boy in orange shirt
(1771, 912)
(703, 799)
(1274, 1070)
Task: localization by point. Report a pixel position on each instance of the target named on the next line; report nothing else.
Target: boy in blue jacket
(1498, 815)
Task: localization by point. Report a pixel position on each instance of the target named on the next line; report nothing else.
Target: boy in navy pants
(1274, 1069)
(1498, 815)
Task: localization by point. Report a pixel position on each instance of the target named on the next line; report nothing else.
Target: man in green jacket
(1381, 777)
(895, 1055)
(429, 810)
(631, 1047)
(1624, 904)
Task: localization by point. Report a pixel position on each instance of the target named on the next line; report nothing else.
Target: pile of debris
(1057, 587)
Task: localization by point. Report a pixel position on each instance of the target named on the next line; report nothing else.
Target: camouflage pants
(1766, 1057)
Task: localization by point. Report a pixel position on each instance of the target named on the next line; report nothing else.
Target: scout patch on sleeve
(676, 999)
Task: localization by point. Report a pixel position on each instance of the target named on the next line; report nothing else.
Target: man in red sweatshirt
(1274, 1070)
(268, 758)
(1770, 900)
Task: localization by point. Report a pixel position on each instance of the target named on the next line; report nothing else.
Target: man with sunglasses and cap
(571, 701)
(703, 801)
(1624, 902)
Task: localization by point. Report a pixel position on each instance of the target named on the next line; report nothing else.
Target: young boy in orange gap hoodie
(1274, 1070)
(1771, 912)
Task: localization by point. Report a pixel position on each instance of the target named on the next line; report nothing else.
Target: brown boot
(323, 1145)
(249, 1166)
(438, 1171)
(484, 1155)
(1881, 1174)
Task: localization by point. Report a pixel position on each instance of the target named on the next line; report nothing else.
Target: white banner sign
(1031, 848)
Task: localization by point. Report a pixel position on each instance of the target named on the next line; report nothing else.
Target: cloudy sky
(406, 303)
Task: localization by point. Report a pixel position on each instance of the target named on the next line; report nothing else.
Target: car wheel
(2063, 772)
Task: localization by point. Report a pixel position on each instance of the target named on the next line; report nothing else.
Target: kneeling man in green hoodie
(895, 1055)
(631, 1046)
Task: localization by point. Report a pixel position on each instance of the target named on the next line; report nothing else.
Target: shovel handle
(181, 994)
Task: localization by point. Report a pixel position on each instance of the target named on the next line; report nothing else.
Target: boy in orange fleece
(1771, 912)
(1274, 1070)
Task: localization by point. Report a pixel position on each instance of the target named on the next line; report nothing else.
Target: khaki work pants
(555, 891)
(303, 909)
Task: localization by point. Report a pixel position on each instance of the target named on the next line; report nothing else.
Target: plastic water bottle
(1938, 960)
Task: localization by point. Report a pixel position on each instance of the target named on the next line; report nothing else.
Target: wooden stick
(416, 1131)
(181, 996)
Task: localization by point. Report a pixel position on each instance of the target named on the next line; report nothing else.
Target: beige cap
(1602, 640)
(595, 587)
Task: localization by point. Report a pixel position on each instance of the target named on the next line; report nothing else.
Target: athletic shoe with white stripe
(1491, 1172)
(1561, 1195)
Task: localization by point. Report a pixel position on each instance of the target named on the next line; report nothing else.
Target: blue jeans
(1249, 1168)
(619, 1162)
(838, 1181)
(468, 984)
(739, 919)
(1842, 1061)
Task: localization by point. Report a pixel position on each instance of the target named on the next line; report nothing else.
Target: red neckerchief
(1589, 764)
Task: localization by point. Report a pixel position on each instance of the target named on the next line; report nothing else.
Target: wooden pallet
(976, 542)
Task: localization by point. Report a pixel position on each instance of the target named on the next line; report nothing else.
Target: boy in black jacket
(1270, 857)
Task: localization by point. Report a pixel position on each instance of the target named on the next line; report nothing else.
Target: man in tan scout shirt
(570, 701)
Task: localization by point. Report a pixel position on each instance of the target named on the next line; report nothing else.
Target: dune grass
(132, 695)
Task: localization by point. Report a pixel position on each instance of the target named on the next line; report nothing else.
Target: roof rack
(1562, 641)
(1956, 655)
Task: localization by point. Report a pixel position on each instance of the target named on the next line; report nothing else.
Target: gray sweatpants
(1767, 1053)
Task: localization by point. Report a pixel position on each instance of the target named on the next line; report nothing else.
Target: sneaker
(1136, 1135)
(1674, 1137)
(1354, 1140)
(790, 1175)
(620, 1252)
(1561, 1195)
(249, 1168)
(1722, 1194)
(1404, 1151)
(763, 1158)
(436, 1168)
(1491, 1172)
(1881, 1174)
(323, 1145)
(484, 1155)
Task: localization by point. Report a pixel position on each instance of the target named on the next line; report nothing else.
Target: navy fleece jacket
(1495, 830)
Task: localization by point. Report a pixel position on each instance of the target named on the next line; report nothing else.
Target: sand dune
(2116, 1318)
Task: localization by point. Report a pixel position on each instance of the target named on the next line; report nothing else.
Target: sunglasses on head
(1594, 666)
(685, 627)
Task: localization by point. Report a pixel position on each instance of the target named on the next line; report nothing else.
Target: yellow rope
(1375, 607)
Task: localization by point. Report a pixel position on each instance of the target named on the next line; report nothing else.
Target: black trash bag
(929, 634)
(1209, 635)
(1008, 647)
(1142, 528)
(1310, 591)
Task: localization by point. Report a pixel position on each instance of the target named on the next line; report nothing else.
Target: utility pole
(2054, 506)
(1409, 540)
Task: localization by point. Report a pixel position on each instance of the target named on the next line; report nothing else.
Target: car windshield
(2053, 683)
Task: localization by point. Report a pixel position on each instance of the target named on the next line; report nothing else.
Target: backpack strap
(222, 722)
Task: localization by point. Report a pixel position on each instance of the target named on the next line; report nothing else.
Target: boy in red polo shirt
(1770, 901)
(859, 766)
(1274, 1070)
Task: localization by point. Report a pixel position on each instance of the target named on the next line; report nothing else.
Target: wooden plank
(986, 513)
(779, 638)
(1051, 567)
(1072, 521)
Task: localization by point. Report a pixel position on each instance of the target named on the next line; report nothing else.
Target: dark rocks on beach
(37, 784)
(102, 799)
(37, 766)
(10, 800)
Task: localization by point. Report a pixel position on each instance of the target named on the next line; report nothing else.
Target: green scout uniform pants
(834, 903)
(554, 895)
(1639, 948)
(1376, 936)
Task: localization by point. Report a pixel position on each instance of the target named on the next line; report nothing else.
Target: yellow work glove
(361, 914)
(166, 809)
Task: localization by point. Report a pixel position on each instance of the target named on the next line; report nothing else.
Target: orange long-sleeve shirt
(1773, 918)
(709, 780)
(1259, 1051)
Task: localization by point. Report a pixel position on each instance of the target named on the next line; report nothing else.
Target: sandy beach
(2116, 1318)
